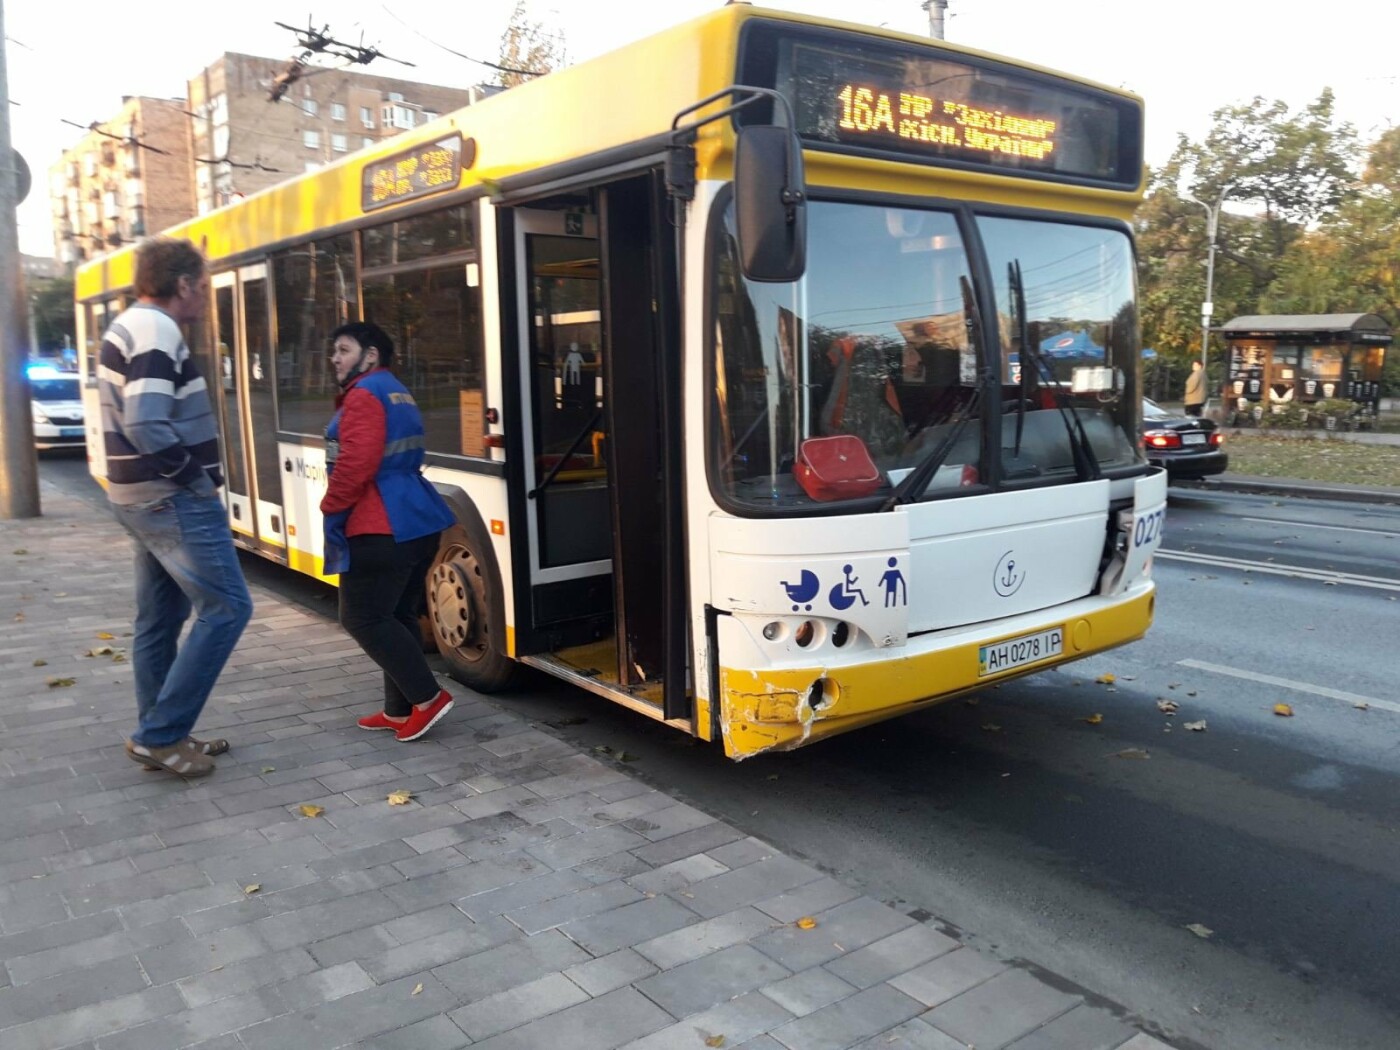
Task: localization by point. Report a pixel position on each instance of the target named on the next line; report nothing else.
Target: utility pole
(19, 470)
(935, 9)
(1207, 306)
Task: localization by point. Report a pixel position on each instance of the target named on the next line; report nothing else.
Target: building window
(337, 111)
(311, 139)
(397, 117)
(428, 115)
(339, 143)
(395, 96)
(366, 116)
(312, 165)
(309, 106)
(366, 141)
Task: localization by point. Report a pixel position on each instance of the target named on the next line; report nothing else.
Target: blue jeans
(185, 561)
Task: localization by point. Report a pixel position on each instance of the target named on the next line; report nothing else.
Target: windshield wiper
(1086, 464)
(1018, 318)
(913, 485)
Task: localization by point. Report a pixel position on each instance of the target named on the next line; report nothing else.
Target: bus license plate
(1017, 652)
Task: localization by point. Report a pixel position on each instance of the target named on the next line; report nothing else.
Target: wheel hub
(451, 603)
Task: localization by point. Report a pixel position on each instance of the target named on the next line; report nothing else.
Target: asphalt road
(1092, 849)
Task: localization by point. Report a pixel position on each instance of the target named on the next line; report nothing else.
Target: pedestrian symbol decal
(804, 590)
(896, 593)
(845, 593)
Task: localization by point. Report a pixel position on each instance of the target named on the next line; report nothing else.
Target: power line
(130, 140)
(450, 51)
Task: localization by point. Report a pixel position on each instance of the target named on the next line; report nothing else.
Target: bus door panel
(259, 386)
(631, 249)
(226, 396)
(564, 471)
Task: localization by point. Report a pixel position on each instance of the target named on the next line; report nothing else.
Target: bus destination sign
(911, 102)
(922, 119)
(430, 167)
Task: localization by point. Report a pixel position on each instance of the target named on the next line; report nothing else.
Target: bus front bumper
(782, 709)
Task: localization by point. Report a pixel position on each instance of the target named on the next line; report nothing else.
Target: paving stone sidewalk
(528, 897)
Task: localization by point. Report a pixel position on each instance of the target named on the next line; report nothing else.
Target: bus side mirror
(770, 204)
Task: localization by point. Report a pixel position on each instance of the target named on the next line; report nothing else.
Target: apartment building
(162, 161)
(126, 177)
(242, 142)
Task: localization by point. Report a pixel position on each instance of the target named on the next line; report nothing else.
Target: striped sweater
(157, 424)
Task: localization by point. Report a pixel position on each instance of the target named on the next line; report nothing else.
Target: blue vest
(413, 506)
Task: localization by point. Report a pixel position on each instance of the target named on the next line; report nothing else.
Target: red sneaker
(379, 720)
(424, 718)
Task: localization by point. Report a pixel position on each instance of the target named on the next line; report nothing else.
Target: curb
(1298, 489)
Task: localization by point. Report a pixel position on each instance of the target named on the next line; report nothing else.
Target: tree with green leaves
(51, 302)
(1351, 262)
(1297, 168)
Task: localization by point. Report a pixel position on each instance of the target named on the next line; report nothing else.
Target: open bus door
(591, 374)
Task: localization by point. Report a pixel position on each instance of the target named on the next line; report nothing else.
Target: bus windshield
(877, 342)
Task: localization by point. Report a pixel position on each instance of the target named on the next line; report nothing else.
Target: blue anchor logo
(1008, 577)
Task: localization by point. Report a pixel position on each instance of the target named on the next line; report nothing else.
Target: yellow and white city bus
(782, 373)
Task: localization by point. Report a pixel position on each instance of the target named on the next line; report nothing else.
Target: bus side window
(417, 286)
(314, 292)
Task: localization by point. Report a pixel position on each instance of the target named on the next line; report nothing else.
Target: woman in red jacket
(382, 520)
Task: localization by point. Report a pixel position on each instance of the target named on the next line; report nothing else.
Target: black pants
(1194, 410)
(380, 597)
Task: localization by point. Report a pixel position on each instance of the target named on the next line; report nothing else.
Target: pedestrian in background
(1195, 390)
(382, 521)
(163, 478)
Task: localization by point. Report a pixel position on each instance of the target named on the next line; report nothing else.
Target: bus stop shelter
(1274, 359)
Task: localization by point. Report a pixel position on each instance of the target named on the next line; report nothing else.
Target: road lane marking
(1215, 561)
(1285, 683)
(1310, 525)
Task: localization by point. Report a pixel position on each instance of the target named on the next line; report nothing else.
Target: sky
(73, 60)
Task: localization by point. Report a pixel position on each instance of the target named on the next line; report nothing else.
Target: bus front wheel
(464, 604)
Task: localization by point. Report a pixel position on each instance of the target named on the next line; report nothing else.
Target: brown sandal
(183, 759)
(210, 747)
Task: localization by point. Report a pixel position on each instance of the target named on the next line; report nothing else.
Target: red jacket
(351, 486)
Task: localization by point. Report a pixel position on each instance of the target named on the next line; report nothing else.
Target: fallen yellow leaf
(105, 635)
(1131, 752)
(1199, 930)
(417, 988)
(41, 663)
(400, 798)
(1093, 720)
(1168, 707)
(806, 923)
(1106, 679)
(253, 888)
(308, 810)
(715, 1040)
(55, 683)
(1283, 710)
(1195, 727)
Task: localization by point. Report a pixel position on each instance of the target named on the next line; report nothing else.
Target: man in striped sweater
(163, 478)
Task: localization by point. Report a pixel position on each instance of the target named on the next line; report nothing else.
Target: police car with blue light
(55, 400)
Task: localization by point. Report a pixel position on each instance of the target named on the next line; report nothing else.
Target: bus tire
(468, 618)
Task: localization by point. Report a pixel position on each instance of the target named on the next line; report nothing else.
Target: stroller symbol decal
(804, 590)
